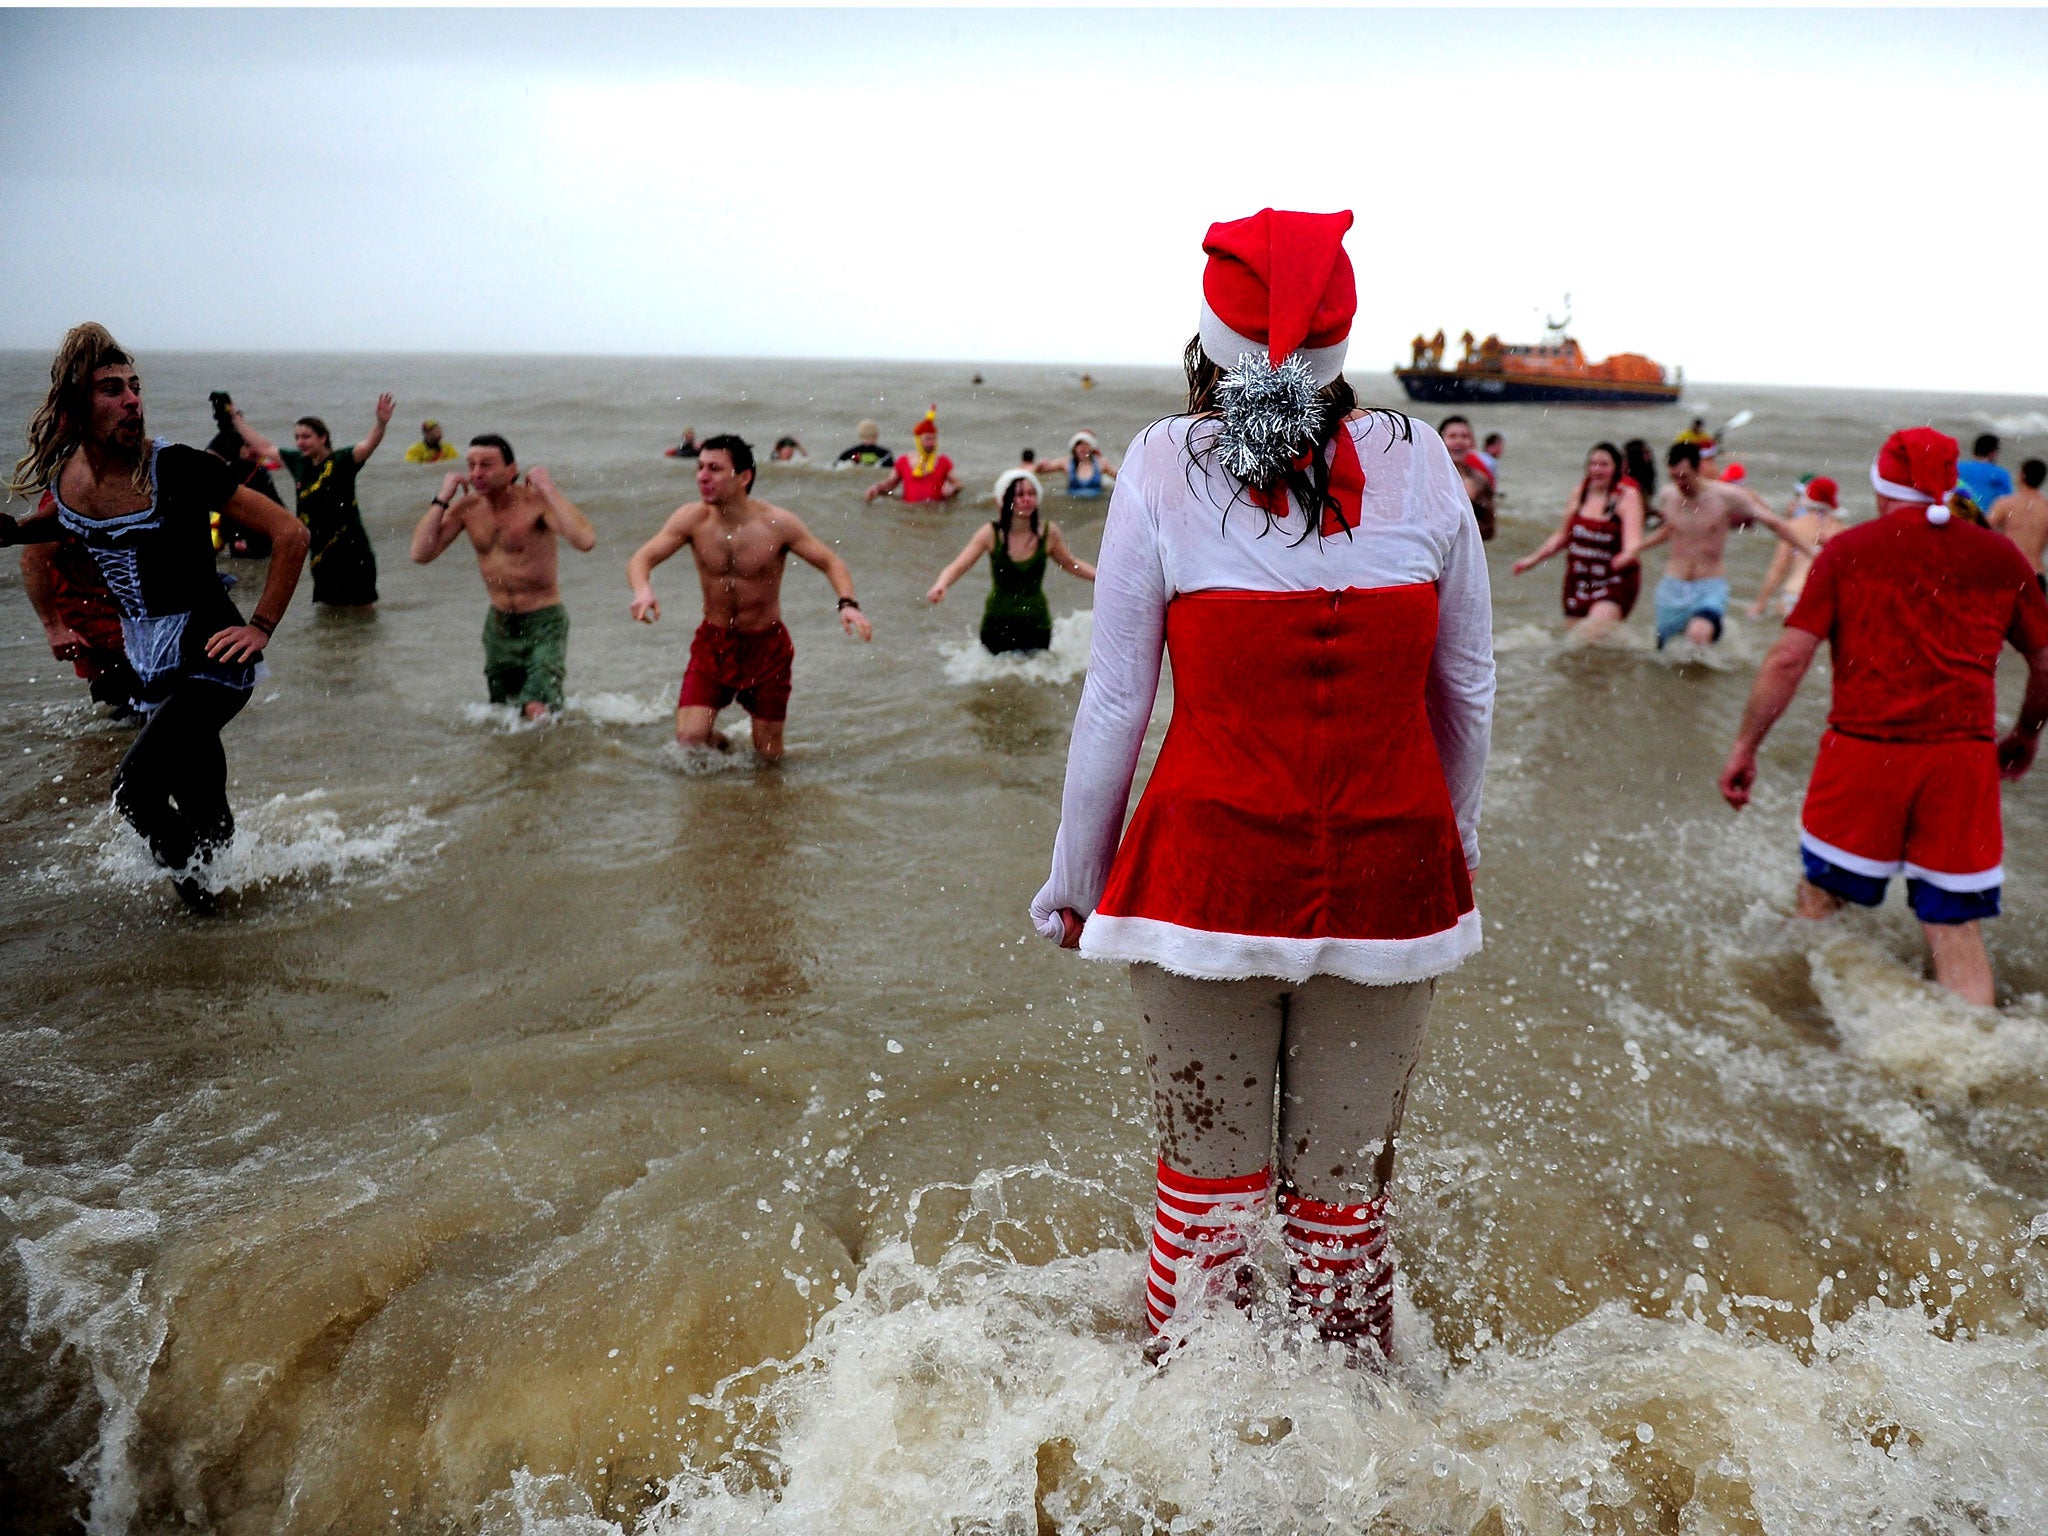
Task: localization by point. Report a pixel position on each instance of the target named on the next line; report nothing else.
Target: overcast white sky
(1827, 197)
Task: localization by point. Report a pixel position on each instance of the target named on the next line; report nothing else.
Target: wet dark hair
(1028, 458)
(1641, 465)
(1614, 457)
(1449, 420)
(319, 427)
(492, 440)
(734, 447)
(1492, 438)
(1010, 509)
(1683, 453)
(1311, 488)
(1985, 446)
(2032, 473)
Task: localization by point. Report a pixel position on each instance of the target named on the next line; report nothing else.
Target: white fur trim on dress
(1223, 347)
(1210, 956)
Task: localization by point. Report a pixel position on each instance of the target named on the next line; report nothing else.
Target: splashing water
(1061, 662)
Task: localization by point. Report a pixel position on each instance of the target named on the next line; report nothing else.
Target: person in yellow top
(430, 449)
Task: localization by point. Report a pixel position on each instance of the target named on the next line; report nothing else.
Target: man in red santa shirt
(1916, 607)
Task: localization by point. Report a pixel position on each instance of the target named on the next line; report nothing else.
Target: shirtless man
(741, 650)
(1699, 514)
(1815, 515)
(2023, 516)
(513, 529)
(1458, 437)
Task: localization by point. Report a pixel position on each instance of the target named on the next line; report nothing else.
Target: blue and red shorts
(1926, 809)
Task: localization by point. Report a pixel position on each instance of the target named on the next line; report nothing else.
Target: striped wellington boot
(1341, 1267)
(1195, 1228)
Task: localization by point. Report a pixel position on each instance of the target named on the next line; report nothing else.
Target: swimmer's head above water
(95, 397)
(492, 465)
(725, 469)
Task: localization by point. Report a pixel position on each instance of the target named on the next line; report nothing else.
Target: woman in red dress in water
(1299, 869)
(1601, 535)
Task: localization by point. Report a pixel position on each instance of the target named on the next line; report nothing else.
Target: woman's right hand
(1525, 563)
(937, 593)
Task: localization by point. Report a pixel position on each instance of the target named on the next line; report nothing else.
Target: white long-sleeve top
(1167, 533)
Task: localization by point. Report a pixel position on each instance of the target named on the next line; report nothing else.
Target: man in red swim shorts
(741, 651)
(1916, 607)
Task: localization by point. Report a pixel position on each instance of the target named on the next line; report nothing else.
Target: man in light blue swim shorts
(1680, 602)
(1699, 514)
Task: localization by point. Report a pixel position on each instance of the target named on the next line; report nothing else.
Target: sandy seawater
(559, 1133)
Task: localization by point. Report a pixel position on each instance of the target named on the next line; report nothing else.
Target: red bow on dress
(1347, 487)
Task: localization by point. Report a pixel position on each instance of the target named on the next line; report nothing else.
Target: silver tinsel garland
(1270, 417)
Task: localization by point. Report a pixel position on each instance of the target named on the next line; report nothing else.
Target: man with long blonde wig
(143, 509)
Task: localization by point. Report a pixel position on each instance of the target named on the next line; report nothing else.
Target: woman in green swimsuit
(1017, 545)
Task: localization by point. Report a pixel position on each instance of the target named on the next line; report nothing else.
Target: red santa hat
(929, 422)
(1733, 473)
(1823, 489)
(1279, 283)
(1917, 464)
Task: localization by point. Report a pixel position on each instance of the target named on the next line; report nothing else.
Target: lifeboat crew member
(1916, 606)
(923, 474)
(1299, 867)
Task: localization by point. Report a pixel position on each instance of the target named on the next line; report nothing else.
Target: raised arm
(983, 541)
(385, 406)
(812, 550)
(1056, 546)
(443, 524)
(675, 533)
(562, 515)
(250, 435)
(289, 541)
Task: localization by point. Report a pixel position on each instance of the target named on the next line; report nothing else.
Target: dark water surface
(541, 1088)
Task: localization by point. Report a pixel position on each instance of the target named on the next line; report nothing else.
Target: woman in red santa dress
(1298, 869)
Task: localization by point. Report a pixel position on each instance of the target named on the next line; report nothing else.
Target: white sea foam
(619, 709)
(288, 839)
(1926, 1039)
(598, 708)
(974, 1393)
(1061, 662)
(2019, 424)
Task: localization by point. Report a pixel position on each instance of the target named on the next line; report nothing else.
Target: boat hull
(1461, 387)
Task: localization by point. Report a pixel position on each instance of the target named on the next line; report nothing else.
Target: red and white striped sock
(1196, 1219)
(1341, 1267)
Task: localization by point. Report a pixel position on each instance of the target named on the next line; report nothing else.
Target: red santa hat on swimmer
(1823, 489)
(1733, 473)
(928, 422)
(1918, 464)
(1279, 285)
(1277, 302)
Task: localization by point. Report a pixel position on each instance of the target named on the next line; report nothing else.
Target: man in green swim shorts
(513, 527)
